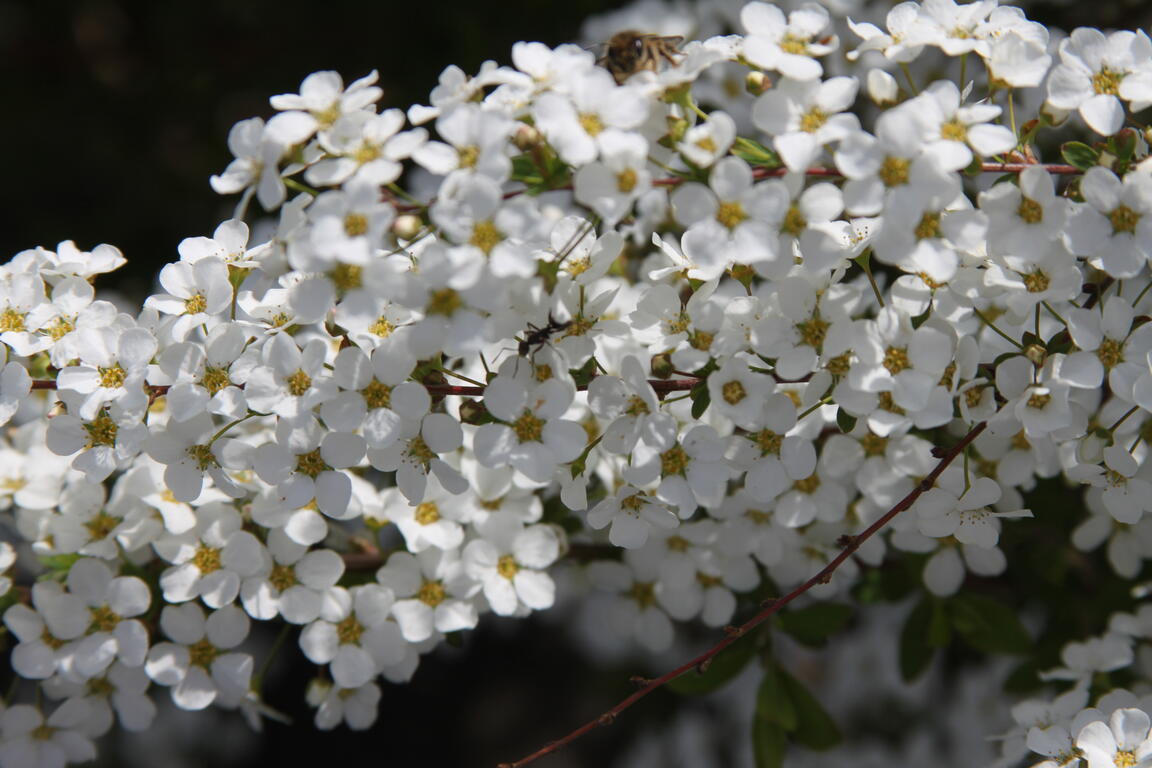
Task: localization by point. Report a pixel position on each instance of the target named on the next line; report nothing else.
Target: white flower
(530, 436)
(804, 116)
(1124, 740)
(357, 707)
(1114, 224)
(293, 583)
(1092, 72)
(354, 634)
(113, 365)
(967, 517)
(631, 405)
(790, 47)
(197, 665)
(632, 513)
(610, 185)
(28, 739)
(584, 120)
(509, 560)
(210, 560)
(198, 294)
(365, 147)
(111, 604)
(433, 593)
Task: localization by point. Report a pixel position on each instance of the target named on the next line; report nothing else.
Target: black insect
(537, 337)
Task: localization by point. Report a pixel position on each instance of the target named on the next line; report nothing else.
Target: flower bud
(756, 83)
(527, 137)
(882, 87)
(473, 412)
(662, 367)
(1090, 448)
(407, 226)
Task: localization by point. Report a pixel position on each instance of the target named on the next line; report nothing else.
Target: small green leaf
(768, 744)
(755, 153)
(56, 566)
(701, 398)
(920, 319)
(815, 728)
(812, 625)
(1079, 155)
(919, 638)
(845, 421)
(723, 667)
(584, 373)
(988, 625)
(773, 704)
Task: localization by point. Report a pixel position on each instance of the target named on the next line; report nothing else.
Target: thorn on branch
(606, 719)
(845, 541)
(702, 667)
(639, 680)
(826, 578)
(732, 631)
(768, 602)
(938, 452)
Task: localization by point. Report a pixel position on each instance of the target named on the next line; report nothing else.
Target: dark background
(116, 113)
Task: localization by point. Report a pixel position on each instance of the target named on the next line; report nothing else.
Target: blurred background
(116, 114)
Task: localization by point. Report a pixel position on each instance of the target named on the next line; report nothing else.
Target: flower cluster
(702, 324)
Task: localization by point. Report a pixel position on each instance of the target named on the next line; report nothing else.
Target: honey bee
(629, 52)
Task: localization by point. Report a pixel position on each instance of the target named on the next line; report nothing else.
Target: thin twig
(732, 634)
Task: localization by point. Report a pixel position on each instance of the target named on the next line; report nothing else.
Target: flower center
(730, 213)
(626, 180)
(311, 463)
(1124, 219)
(112, 377)
(674, 461)
(202, 653)
(528, 428)
(1030, 211)
(298, 383)
(431, 593)
(195, 304)
(377, 394)
(349, 631)
(485, 236)
(894, 171)
(506, 566)
(215, 379)
(206, 559)
(591, 123)
(733, 392)
(896, 359)
(427, 513)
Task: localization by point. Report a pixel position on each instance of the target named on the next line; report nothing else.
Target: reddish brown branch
(732, 634)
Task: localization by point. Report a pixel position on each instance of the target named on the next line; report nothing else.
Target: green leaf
(845, 420)
(584, 373)
(701, 398)
(815, 728)
(768, 744)
(1079, 155)
(755, 153)
(723, 667)
(988, 625)
(920, 319)
(812, 625)
(56, 566)
(524, 169)
(923, 632)
(773, 704)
